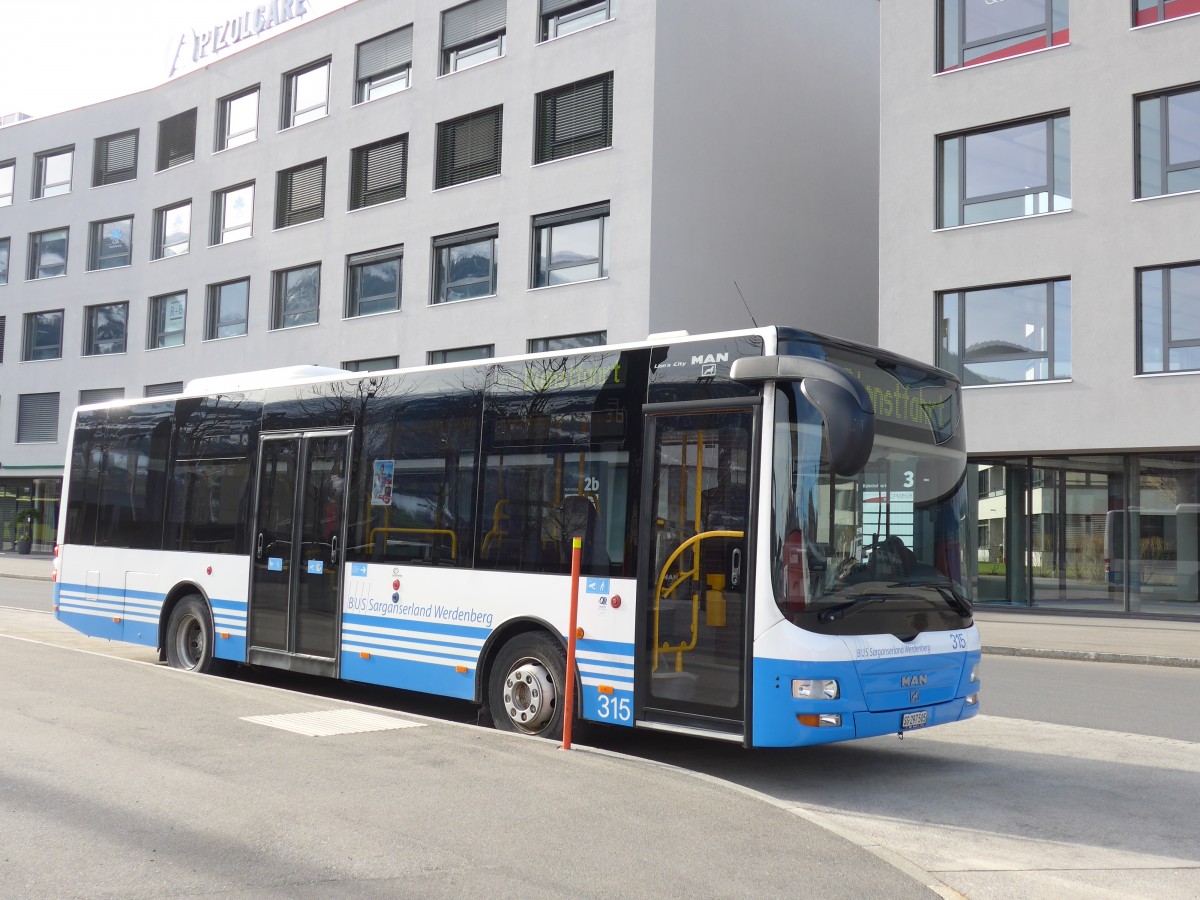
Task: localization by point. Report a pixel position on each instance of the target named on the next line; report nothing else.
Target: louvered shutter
(385, 53)
(379, 172)
(100, 395)
(469, 147)
(575, 118)
(1, 339)
(300, 195)
(116, 158)
(167, 387)
(472, 21)
(550, 7)
(37, 418)
(176, 140)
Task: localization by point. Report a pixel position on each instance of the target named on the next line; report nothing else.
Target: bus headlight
(972, 700)
(824, 720)
(975, 674)
(815, 689)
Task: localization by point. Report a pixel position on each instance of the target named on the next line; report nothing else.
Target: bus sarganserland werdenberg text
(773, 527)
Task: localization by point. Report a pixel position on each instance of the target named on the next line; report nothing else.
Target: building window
(228, 306)
(104, 329)
(168, 314)
(465, 265)
(48, 253)
(472, 33)
(176, 140)
(375, 364)
(571, 245)
(462, 354)
(300, 194)
(163, 389)
(568, 341)
(305, 95)
(52, 172)
(237, 119)
(373, 281)
(561, 17)
(233, 214)
(115, 158)
(37, 419)
(468, 148)
(1005, 334)
(8, 177)
(111, 244)
(43, 335)
(979, 31)
(297, 296)
(379, 172)
(575, 118)
(172, 230)
(1147, 12)
(1006, 172)
(383, 65)
(4, 246)
(1168, 149)
(1169, 318)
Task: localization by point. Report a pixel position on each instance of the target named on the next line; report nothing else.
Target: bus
(773, 527)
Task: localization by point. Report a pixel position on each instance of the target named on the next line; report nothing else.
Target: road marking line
(328, 722)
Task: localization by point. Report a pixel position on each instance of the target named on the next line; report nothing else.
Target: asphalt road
(1078, 780)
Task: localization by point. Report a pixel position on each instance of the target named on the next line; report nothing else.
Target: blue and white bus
(773, 522)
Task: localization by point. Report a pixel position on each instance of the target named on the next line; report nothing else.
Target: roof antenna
(744, 303)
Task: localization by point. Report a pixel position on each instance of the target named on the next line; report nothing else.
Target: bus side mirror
(842, 400)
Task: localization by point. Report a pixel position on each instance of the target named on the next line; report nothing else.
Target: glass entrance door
(695, 563)
(296, 565)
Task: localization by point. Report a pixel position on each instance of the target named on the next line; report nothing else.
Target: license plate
(917, 719)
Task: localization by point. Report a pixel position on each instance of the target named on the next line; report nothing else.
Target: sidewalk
(1096, 639)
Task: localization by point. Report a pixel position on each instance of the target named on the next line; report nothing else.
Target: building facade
(402, 182)
(1040, 189)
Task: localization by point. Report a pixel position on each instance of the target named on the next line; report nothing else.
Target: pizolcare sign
(198, 46)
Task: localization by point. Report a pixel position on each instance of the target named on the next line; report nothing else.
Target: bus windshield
(882, 551)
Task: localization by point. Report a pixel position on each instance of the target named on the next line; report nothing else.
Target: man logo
(913, 680)
(914, 696)
(710, 358)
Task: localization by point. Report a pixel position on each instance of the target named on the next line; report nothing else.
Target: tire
(525, 686)
(189, 636)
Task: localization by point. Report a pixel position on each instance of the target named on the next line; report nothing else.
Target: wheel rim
(190, 642)
(529, 696)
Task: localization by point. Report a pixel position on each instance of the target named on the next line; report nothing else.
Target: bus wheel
(525, 686)
(189, 636)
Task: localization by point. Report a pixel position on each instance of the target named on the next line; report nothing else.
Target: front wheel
(189, 637)
(525, 687)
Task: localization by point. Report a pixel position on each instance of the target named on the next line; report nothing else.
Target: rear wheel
(525, 687)
(190, 636)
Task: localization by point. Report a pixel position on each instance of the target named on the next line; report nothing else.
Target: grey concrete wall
(619, 175)
(1098, 244)
(766, 165)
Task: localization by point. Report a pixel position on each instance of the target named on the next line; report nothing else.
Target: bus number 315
(615, 709)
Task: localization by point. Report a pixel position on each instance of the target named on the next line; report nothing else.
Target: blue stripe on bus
(468, 631)
(409, 675)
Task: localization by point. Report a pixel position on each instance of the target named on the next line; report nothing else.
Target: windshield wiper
(850, 607)
(945, 589)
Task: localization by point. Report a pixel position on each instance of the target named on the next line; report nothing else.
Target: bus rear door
(295, 580)
(694, 568)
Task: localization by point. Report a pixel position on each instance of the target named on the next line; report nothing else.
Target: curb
(1178, 662)
(27, 577)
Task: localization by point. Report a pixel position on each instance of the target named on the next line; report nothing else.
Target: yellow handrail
(691, 573)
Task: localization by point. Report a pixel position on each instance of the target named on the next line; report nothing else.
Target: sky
(57, 55)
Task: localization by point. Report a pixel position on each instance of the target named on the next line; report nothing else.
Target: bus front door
(295, 580)
(694, 568)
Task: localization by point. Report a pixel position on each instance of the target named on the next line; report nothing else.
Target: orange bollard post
(569, 687)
